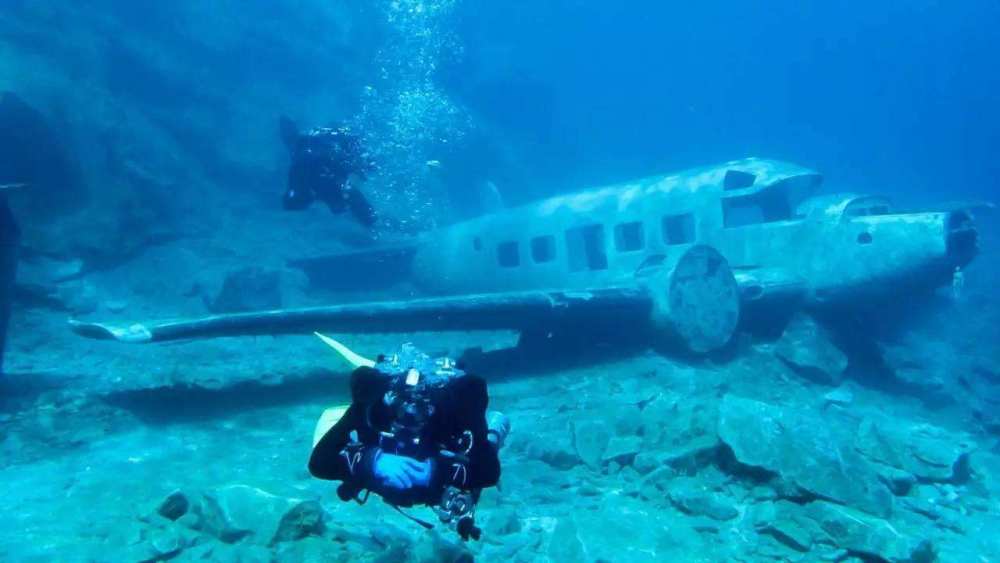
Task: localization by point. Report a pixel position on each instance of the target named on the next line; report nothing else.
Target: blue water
(884, 97)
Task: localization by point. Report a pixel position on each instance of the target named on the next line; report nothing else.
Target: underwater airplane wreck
(681, 255)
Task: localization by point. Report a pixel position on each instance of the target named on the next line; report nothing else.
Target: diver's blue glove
(401, 472)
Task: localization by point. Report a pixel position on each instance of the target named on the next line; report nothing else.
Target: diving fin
(330, 417)
(352, 358)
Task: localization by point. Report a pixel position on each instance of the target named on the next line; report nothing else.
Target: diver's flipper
(355, 360)
(326, 421)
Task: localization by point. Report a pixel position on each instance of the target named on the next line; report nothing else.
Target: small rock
(807, 349)
(786, 523)
(167, 543)
(590, 439)
(558, 454)
(503, 522)
(840, 396)
(622, 450)
(174, 506)
(655, 485)
(687, 497)
(899, 482)
(645, 462)
(302, 520)
(207, 516)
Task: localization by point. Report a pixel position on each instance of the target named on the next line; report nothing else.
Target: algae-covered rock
(303, 519)
(860, 533)
(502, 522)
(787, 523)
(840, 396)
(928, 452)
(691, 498)
(590, 440)
(269, 518)
(558, 453)
(805, 450)
(808, 350)
(174, 506)
(565, 544)
(208, 516)
(622, 450)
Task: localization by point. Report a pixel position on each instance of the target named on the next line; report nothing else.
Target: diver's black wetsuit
(458, 423)
(323, 161)
(9, 238)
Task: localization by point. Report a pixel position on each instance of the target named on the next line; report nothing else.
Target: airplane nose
(962, 238)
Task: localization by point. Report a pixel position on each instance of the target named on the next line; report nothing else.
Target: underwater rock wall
(164, 113)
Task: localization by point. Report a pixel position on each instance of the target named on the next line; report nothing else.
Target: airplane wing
(497, 311)
(695, 302)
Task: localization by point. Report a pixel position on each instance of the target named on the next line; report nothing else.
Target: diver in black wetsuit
(327, 165)
(416, 433)
(9, 238)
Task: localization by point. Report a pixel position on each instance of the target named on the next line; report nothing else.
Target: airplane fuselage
(762, 215)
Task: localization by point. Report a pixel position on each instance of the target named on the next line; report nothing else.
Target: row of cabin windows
(585, 246)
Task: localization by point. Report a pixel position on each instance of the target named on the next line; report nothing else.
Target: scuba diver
(416, 433)
(327, 165)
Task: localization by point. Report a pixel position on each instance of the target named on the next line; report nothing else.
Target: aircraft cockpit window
(543, 249)
(585, 248)
(763, 207)
(508, 255)
(737, 180)
(678, 229)
(862, 210)
(629, 236)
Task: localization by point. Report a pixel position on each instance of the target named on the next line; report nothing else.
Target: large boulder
(806, 348)
(803, 449)
(247, 289)
(814, 527)
(927, 452)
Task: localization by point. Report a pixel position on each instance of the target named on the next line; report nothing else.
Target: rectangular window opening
(629, 237)
(543, 249)
(678, 229)
(586, 248)
(763, 207)
(507, 254)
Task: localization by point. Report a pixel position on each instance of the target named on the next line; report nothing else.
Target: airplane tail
(490, 200)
